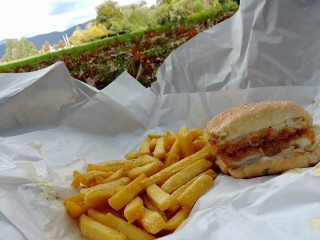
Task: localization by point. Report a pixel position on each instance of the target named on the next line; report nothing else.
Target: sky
(19, 18)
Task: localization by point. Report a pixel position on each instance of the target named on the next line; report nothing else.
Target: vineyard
(140, 54)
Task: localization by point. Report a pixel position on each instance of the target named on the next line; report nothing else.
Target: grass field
(98, 63)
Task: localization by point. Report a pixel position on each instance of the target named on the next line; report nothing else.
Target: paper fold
(266, 43)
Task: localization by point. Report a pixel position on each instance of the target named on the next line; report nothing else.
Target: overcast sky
(19, 18)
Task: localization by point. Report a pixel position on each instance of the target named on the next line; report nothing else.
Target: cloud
(61, 7)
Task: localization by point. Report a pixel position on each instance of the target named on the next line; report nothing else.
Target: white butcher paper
(52, 124)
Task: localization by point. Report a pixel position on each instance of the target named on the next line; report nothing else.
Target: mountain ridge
(51, 37)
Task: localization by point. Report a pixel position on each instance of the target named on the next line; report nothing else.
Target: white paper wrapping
(52, 124)
(266, 43)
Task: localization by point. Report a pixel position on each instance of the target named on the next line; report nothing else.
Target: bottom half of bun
(273, 165)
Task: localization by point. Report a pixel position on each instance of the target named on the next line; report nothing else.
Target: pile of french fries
(149, 193)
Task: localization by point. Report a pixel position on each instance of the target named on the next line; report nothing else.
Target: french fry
(176, 220)
(111, 220)
(199, 144)
(89, 179)
(149, 169)
(114, 176)
(161, 176)
(211, 173)
(94, 230)
(152, 144)
(75, 209)
(145, 159)
(160, 151)
(127, 190)
(132, 155)
(134, 210)
(185, 175)
(127, 164)
(199, 187)
(119, 162)
(128, 193)
(107, 209)
(110, 165)
(172, 134)
(145, 147)
(158, 197)
(175, 205)
(97, 196)
(152, 221)
(78, 197)
(75, 174)
(175, 148)
(185, 141)
(98, 199)
(97, 167)
(76, 179)
(83, 191)
(156, 135)
(168, 142)
(171, 158)
(98, 180)
(195, 133)
(148, 204)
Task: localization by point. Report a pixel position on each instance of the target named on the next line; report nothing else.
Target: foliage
(55, 46)
(99, 63)
(90, 33)
(163, 14)
(61, 44)
(16, 49)
(45, 47)
(134, 17)
(107, 13)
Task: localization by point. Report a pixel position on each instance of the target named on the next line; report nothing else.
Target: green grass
(73, 51)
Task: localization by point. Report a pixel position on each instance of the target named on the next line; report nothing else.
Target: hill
(52, 37)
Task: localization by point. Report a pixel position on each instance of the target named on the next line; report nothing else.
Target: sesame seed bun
(252, 117)
(234, 130)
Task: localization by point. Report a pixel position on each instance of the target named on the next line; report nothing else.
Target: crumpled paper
(52, 124)
(266, 43)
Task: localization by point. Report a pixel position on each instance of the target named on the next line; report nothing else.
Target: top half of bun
(252, 117)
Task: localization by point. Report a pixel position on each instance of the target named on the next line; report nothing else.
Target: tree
(55, 46)
(17, 49)
(143, 3)
(138, 22)
(116, 28)
(34, 46)
(147, 14)
(181, 9)
(9, 49)
(61, 44)
(163, 14)
(23, 48)
(76, 37)
(107, 13)
(4, 58)
(46, 46)
(164, 1)
(91, 32)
